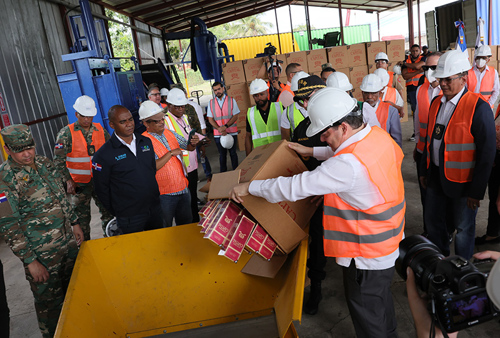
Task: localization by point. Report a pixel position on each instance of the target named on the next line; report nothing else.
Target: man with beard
(263, 119)
(222, 113)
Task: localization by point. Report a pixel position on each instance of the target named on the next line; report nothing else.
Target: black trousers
(369, 298)
(317, 260)
(493, 228)
(418, 158)
(193, 189)
(4, 309)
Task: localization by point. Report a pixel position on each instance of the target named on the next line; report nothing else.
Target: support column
(490, 19)
(291, 27)
(341, 23)
(277, 26)
(419, 30)
(308, 25)
(411, 33)
(378, 25)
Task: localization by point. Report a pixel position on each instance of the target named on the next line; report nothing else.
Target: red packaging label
(240, 238)
(224, 224)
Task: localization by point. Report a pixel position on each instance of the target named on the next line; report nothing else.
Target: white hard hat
(492, 284)
(451, 63)
(227, 141)
(85, 106)
(371, 84)
(338, 80)
(397, 69)
(149, 108)
(327, 106)
(383, 75)
(483, 50)
(294, 84)
(177, 97)
(163, 92)
(112, 229)
(258, 86)
(274, 64)
(381, 56)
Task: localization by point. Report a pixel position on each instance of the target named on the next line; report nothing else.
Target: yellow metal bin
(171, 282)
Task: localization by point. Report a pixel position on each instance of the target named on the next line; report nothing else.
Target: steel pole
(378, 25)
(411, 33)
(308, 25)
(277, 26)
(419, 30)
(341, 23)
(291, 27)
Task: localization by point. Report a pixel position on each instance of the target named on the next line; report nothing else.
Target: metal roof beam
(179, 11)
(344, 4)
(130, 4)
(164, 5)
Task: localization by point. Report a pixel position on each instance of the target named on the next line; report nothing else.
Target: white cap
(294, 84)
(483, 50)
(381, 56)
(274, 64)
(371, 84)
(177, 97)
(163, 92)
(451, 63)
(258, 86)
(327, 106)
(227, 141)
(383, 75)
(149, 108)
(338, 80)
(85, 106)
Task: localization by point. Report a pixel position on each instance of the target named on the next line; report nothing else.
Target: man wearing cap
(263, 119)
(75, 146)
(483, 79)
(358, 185)
(222, 113)
(124, 170)
(275, 87)
(458, 157)
(296, 112)
(425, 51)
(38, 223)
(170, 171)
(387, 115)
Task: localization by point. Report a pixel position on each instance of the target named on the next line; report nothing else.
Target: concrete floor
(333, 319)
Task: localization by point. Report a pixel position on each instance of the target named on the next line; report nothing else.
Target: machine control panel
(103, 64)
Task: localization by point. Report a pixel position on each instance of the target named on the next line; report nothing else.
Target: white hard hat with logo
(274, 64)
(327, 106)
(85, 106)
(176, 97)
(383, 75)
(483, 50)
(381, 56)
(227, 141)
(258, 86)
(294, 84)
(149, 108)
(163, 92)
(339, 80)
(371, 84)
(451, 63)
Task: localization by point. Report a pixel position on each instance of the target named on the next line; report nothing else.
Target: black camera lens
(421, 255)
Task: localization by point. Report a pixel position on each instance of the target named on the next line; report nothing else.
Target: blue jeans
(207, 168)
(441, 210)
(178, 207)
(152, 219)
(223, 154)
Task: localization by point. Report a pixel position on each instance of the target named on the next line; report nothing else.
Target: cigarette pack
(213, 217)
(207, 208)
(232, 230)
(261, 243)
(267, 250)
(207, 215)
(220, 229)
(239, 240)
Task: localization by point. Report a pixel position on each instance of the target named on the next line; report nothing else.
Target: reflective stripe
(423, 125)
(363, 239)
(354, 215)
(270, 133)
(460, 146)
(78, 159)
(79, 172)
(421, 139)
(291, 118)
(252, 121)
(486, 93)
(460, 165)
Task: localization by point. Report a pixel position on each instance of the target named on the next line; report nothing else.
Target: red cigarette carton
(220, 230)
(207, 208)
(239, 240)
(213, 218)
(232, 230)
(268, 248)
(257, 238)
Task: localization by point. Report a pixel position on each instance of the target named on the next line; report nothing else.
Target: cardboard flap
(258, 266)
(222, 183)
(205, 188)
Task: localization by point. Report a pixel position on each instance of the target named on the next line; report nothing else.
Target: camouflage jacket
(64, 146)
(34, 209)
(193, 120)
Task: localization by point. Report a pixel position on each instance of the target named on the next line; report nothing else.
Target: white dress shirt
(369, 115)
(235, 111)
(431, 93)
(131, 146)
(479, 77)
(343, 175)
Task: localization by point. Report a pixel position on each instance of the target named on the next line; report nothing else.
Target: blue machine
(96, 74)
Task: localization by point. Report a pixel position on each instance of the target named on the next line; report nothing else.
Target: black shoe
(482, 240)
(311, 306)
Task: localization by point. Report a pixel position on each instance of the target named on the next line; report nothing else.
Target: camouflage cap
(18, 137)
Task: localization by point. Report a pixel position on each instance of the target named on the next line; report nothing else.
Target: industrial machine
(330, 39)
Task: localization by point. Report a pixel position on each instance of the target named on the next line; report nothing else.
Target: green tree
(302, 27)
(121, 38)
(251, 26)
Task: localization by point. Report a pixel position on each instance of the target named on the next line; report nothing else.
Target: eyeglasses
(154, 121)
(426, 68)
(154, 94)
(448, 80)
(380, 61)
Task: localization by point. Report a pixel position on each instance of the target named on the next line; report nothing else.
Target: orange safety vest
(390, 95)
(377, 231)
(171, 176)
(423, 113)
(286, 88)
(163, 105)
(282, 86)
(486, 88)
(223, 115)
(413, 81)
(498, 112)
(460, 149)
(383, 114)
(78, 161)
(391, 78)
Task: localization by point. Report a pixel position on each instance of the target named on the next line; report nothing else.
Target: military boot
(311, 306)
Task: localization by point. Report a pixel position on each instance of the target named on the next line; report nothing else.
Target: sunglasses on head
(426, 68)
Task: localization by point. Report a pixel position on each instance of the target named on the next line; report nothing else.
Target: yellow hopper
(171, 282)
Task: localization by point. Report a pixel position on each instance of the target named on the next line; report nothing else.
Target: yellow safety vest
(294, 118)
(263, 133)
(173, 125)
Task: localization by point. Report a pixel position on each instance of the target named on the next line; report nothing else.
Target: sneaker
(412, 138)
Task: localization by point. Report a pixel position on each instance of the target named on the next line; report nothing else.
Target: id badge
(438, 131)
(91, 150)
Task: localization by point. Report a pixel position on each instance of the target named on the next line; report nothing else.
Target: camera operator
(418, 304)
(274, 70)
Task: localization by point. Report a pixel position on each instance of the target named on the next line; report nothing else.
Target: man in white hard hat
(458, 157)
(263, 119)
(163, 94)
(274, 69)
(390, 94)
(425, 94)
(359, 185)
(222, 113)
(75, 145)
(175, 198)
(388, 116)
(177, 121)
(326, 70)
(382, 62)
(483, 79)
(154, 95)
(294, 113)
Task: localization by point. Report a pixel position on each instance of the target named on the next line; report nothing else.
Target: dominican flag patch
(59, 146)
(3, 198)
(96, 166)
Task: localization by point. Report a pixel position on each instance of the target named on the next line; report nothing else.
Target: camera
(456, 287)
(270, 49)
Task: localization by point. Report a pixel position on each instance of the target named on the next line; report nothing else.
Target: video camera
(270, 49)
(456, 287)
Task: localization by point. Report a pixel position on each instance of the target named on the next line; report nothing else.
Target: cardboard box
(242, 134)
(298, 57)
(494, 53)
(471, 52)
(233, 73)
(356, 55)
(316, 58)
(357, 94)
(343, 70)
(240, 93)
(356, 75)
(251, 67)
(371, 68)
(395, 50)
(373, 48)
(338, 57)
(493, 64)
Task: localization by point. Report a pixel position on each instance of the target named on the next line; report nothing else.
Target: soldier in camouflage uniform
(75, 143)
(38, 223)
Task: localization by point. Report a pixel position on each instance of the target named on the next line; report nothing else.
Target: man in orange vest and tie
(75, 146)
(483, 79)
(457, 158)
(359, 186)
